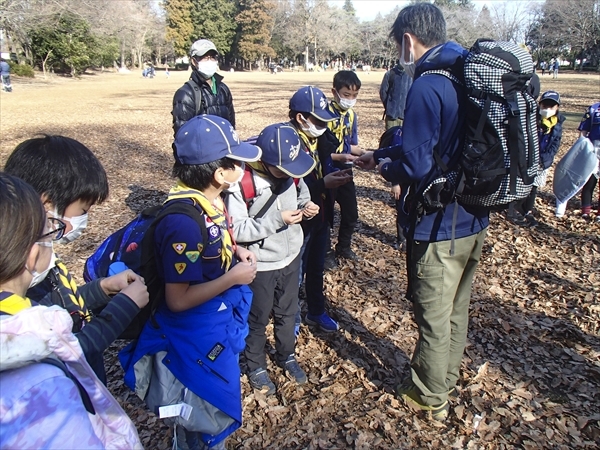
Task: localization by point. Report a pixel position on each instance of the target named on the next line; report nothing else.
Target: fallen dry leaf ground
(531, 371)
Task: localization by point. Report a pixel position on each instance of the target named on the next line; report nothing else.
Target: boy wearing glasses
(70, 179)
(205, 92)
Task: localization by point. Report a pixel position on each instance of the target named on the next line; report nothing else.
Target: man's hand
(310, 210)
(245, 255)
(396, 191)
(366, 161)
(336, 179)
(291, 217)
(116, 283)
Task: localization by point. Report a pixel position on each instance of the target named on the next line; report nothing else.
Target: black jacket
(184, 107)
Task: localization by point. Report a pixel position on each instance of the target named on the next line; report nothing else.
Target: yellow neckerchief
(218, 217)
(311, 145)
(338, 127)
(12, 303)
(548, 124)
(259, 168)
(68, 288)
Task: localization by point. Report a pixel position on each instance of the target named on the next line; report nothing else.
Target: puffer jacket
(184, 106)
(43, 408)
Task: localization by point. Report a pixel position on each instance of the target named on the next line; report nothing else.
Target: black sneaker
(259, 379)
(330, 262)
(531, 222)
(346, 253)
(293, 370)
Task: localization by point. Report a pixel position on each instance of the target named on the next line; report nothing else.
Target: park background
(531, 370)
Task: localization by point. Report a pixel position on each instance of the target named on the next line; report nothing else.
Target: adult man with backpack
(204, 92)
(392, 92)
(439, 280)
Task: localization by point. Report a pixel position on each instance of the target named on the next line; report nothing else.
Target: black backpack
(132, 247)
(499, 160)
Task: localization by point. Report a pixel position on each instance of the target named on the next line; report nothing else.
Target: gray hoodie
(274, 243)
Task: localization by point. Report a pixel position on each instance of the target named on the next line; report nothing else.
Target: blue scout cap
(309, 99)
(206, 138)
(282, 148)
(551, 95)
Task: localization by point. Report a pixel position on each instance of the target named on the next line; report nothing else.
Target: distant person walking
(204, 92)
(555, 69)
(5, 74)
(543, 66)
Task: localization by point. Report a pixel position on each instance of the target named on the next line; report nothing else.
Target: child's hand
(243, 273)
(310, 210)
(344, 157)
(291, 217)
(138, 292)
(245, 255)
(116, 283)
(336, 179)
(396, 191)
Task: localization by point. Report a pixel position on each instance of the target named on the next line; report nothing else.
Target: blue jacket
(433, 122)
(202, 345)
(393, 91)
(4, 68)
(549, 143)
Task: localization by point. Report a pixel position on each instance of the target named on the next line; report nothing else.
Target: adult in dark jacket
(215, 95)
(392, 92)
(440, 279)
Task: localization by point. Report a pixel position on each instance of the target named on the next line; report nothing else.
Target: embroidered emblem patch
(192, 256)
(200, 247)
(213, 231)
(131, 247)
(180, 267)
(179, 247)
(215, 351)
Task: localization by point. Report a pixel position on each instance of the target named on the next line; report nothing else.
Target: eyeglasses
(57, 228)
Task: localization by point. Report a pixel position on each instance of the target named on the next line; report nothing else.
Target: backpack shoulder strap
(85, 397)
(197, 94)
(186, 209)
(247, 186)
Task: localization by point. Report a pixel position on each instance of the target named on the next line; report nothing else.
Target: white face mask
(311, 129)
(409, 66)
(230, 185)
(345, 103)
(207, 68)
(546, 113)
(38, 277)
(78, 224)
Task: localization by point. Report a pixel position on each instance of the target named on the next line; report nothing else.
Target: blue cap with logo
(309, 99)
(550, 95)
(282, 148)
(205, 138)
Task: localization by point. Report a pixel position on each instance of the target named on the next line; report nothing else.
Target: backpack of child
(499, 160)
(132, 247)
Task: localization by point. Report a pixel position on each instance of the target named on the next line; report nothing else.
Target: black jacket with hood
(184, 106)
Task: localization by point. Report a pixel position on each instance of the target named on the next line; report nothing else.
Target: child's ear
(34, 253)
(333, 92)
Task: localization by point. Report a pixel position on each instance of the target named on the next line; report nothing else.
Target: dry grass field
(531, 370)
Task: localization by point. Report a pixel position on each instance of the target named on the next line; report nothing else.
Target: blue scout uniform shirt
(591, 122)
(179, 244)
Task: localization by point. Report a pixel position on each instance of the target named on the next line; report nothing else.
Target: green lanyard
(213, 85)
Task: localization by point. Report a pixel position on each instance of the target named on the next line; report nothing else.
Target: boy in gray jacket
(269, 225)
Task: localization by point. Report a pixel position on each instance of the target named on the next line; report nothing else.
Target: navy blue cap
(206, 138)
(550, 95)
(309, 99)
(282, 148)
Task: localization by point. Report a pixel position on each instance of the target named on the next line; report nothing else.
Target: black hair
(200, 176)
(60, 168)
(347, 79)
(424, 21)
(22, 220)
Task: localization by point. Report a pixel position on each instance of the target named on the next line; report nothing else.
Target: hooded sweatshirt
(433, 122)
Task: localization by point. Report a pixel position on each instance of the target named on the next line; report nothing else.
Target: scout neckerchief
(12, 303)
(338, 126)
(219, 218)
(548, 124)
(311, 144)
(70, 298)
